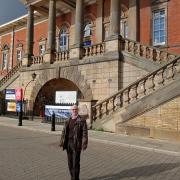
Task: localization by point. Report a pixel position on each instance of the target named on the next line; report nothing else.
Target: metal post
(20, 114)
(53, 122)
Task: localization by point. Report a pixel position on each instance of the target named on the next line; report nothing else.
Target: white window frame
(160, 28)
(42, 49)
(63, 39)
(4, 60)
(19, 55)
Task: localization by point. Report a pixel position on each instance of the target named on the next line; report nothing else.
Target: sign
(18, 106)
(66, 97)
(18, 94)
(11, 106)
(10, 94)
(62, 112)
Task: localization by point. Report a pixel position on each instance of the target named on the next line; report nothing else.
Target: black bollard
(20, 115)
(53, 122)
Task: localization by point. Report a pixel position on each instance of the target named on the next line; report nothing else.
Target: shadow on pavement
(143, 171)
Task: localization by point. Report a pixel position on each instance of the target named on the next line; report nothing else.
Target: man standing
(74, 138)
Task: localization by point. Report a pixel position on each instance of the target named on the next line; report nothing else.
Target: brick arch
(70, 73)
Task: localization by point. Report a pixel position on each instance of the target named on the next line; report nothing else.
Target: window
(87, 34)
(124, 28)
(41, 49)
(19, 55)
(159, 33)
(63, 39)
(4, 61)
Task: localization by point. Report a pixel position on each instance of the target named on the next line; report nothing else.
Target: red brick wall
(5, 40)
(19, 37)
(145, 22)
(174, 25)
(40, 31)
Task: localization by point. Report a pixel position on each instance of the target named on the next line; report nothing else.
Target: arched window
(63, 39)
(5, 57)
(87, 34)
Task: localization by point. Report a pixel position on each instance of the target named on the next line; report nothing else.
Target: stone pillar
(51, 41)
(133, 20)
(29, 37)
(75, 52)
(112, 45)
(99, 21)
(115, 14)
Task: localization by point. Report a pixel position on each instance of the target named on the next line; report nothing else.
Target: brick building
(105, 50)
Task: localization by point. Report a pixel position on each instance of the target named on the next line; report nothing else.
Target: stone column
(51, 41)
(112, 45)
(29, 37)
(115, 14)
(78, 23)
(75, 52)
(99, 21)
(133, 20)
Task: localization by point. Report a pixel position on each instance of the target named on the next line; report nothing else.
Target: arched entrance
(46, 95)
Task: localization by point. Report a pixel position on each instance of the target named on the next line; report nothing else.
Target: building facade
(105, 50)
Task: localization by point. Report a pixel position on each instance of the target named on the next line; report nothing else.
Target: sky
(10, 10)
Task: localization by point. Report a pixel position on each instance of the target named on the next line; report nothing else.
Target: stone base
(75, 53)
(155, 133)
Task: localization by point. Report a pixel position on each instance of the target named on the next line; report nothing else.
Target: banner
(62, 112)
(18, 94)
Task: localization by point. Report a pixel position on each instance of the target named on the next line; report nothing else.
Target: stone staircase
(152, 90)
(144, 56)
(10, 76)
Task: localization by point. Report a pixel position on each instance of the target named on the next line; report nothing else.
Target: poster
(66, 97)
(11, 106)
(62, 112)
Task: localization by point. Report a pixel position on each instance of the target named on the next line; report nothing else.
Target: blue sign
(18, 106)
(10, 94)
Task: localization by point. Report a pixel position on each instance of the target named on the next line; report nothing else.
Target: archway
(46, 95)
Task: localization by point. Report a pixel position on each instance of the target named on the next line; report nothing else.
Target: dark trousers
(73, 161)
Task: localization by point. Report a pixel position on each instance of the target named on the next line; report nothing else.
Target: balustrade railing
(147, 52)
(10, 73)
(37, 59)
(138, 89)
(62, 56)
(94, 50)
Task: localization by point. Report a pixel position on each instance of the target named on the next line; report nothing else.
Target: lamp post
(22, 100)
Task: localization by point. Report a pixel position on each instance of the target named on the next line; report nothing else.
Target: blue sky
(11, 9)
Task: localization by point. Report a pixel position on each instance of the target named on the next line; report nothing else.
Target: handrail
(146, 51)
(139, 88)
(61, 56)
(93, 50)
(10, 73)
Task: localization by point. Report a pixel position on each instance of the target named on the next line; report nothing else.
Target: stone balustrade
(147, 52)
(94, 50)
(138, 89)
(62, 56)
(37, 59)
(10, 73)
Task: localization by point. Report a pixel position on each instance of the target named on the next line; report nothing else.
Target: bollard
(53, 122)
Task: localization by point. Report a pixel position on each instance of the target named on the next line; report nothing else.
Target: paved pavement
(154, 145)
(31, 152)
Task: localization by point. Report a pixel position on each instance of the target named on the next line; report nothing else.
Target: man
(74, 138)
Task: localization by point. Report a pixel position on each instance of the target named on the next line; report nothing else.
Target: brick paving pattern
(29, 155)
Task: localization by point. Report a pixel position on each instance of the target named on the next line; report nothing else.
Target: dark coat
(80, 134)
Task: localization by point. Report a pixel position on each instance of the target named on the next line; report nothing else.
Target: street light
(22, 99)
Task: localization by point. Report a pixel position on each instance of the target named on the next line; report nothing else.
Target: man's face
(74, 110)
